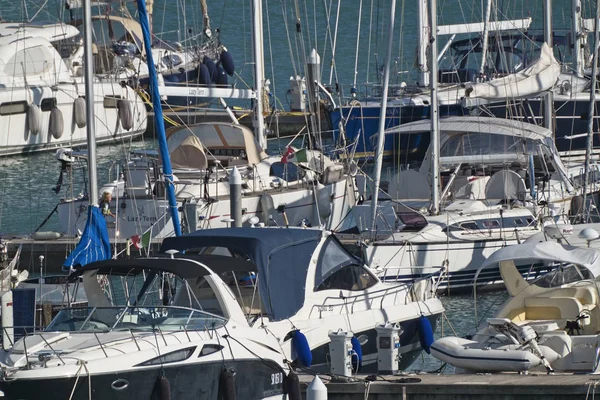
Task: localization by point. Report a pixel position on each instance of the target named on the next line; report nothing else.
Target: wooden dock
(463, 387)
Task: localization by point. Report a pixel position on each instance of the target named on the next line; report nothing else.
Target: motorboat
(218, 300)
(42, 104)
(152, 325)
(550, 323)
(306, 281)
(303, 188)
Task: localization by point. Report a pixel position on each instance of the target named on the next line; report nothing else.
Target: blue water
(26, 197)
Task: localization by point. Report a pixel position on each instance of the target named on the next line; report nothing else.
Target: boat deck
(288, 123)
(55, 251)
(463, 387)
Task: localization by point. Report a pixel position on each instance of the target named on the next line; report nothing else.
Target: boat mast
(549, 98)
(90, 100)
(158, 118)
(576, 36)
(205, 19)
(423, 41)
(435, 134)
(259, 74)
(486, 34)
(381, 134)
(592, 104)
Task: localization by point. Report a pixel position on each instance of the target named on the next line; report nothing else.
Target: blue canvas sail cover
(93, 245)
(281, 257)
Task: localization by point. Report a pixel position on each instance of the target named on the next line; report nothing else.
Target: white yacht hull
(16, 136)
(410, 346)
(404, 263)
(132, 216)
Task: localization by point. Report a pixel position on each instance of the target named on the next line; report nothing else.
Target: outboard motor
(66, 159)
(528, 337)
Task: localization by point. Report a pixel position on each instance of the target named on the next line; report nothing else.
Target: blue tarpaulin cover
(93, 245)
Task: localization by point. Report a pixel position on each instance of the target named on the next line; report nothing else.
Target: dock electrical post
(388, 348)
(340, 352)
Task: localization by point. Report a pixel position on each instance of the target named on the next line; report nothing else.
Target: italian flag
(142, 242)
(293, 155)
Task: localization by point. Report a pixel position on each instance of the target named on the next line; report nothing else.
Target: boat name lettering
(277, 378)
(584, 345)
(325, 308)
(200, 92)
(141, 218)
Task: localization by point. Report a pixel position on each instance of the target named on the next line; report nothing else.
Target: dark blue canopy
(93, 244)
(281, 255)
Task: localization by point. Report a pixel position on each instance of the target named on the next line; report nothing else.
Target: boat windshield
(562, 275)
(106, 319)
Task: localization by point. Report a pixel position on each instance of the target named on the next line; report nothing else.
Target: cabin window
(48, 104)
(491, 224)
(350, 277)
(111, 101)
(337, 269)
(287, 171)
(519, 222)
(468, 225)
(209, 349)
(15, 107)
(29, 61)
(174, 356)
(562, 275)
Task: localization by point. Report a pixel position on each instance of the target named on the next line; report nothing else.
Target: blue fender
(425, 333)
(300, 345)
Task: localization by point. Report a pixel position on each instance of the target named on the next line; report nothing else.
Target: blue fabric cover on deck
(93, 245)
(281, 256)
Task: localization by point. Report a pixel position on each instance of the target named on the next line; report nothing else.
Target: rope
(82, 366)
(146, 98)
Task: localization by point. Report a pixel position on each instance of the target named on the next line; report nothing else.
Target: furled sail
(93, 244)
(537, 78)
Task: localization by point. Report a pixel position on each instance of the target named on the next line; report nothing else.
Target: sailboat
(122, 56)
(41, 97)
(301, 187)
(401, 243)
(472, 87)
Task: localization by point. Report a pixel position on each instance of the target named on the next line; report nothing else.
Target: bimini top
(259, 244)
(477, 124)
(282, 258)
(52, 32)
(195, 146)
(180, 265)
(546, 251)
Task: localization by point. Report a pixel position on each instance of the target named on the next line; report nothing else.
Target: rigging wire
(357, 43)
